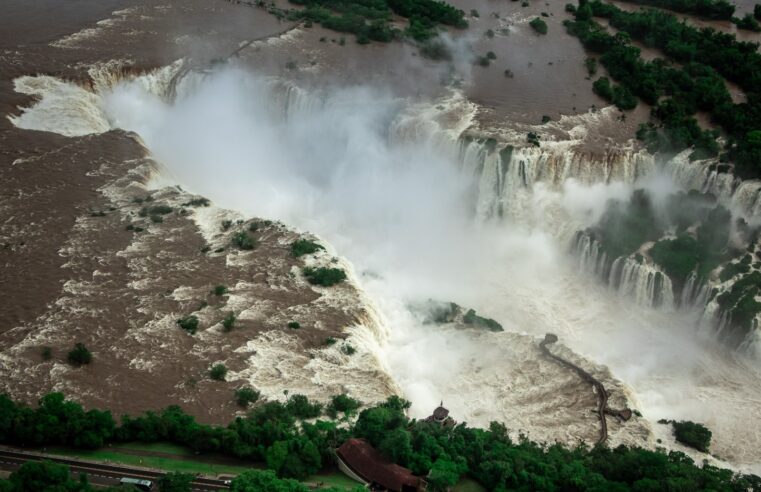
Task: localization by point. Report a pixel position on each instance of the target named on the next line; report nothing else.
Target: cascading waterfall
(506, 171)
(641, 281)
(632, 278)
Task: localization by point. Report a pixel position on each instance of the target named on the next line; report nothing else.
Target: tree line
(295, 439)
(369, 20)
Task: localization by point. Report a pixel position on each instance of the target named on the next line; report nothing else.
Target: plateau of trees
(707, 9)
(676, 93)
(277, 434)
(369, 20)
(691, 434)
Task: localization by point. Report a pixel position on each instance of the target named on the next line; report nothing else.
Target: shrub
(243, 241)
(342, 403)
(294, 325)
(435, 50)
(489, 33)
(226, 224)
(299, 406)
(189, 324)
(509, 74)
(219, 290)
(157, 219)
(591, 64)
(692, 434)
(197, 202)
(218, 372)
(474, 13)
(538, 25)
(302, 247)
(533, 139)
(330, 341)
(245, 396)
(483, 61)
(757, 11)
(46, 353)
(253, 226)
(348, 349)
(546, 119)
(79, 355)
(229, 322)
(323, 276)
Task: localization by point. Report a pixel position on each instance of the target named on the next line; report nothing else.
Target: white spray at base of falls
(402, 213)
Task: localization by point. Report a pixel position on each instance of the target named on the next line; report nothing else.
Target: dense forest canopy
(691, 80)
(286, 437)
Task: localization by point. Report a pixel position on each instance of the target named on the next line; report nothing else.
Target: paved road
(98, 473)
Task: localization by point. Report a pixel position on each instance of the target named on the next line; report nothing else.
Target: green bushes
(708, 9)
(692, 434)
(294, 325)
(229, 322)
(471, 318)
(300, 407)
(219, 290)
(757, 11)
(246, 396)
(747, 22)
(302, 247)
(79, 356)
(218, 372)
(323, 276)
(343, 403)
(242, 240)
(538, 25)
(369, 20)
(189, 324)
(617, 94)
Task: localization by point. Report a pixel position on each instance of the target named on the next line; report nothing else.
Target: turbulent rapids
(424, 203)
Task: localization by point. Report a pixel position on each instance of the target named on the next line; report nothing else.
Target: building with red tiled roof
(360, 461)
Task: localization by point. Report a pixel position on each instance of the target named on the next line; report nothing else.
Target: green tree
(218, 372)
(264, 481)
(79, 355)
(176, 482)
(45, 476)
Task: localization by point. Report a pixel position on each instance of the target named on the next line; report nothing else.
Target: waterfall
(641, 281)
(694, 293)
(590, 255)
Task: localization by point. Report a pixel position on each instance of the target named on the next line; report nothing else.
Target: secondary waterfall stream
(422, 214)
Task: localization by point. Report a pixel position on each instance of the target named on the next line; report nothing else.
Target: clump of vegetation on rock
(243, 241)
(79, 356)
(246, 396)
(301, 247)
(538, 25)
(691, 434)
(189, 324)
(218, 372)
(229, 322)
(324, 276)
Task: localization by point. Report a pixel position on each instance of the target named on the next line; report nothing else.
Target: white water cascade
(394, 185)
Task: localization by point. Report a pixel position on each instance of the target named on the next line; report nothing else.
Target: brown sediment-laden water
(418, 188)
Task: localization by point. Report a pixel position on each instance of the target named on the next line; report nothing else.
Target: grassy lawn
(332, 479)
(114, 456)
(158, 447)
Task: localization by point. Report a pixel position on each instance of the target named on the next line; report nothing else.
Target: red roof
(369, 464)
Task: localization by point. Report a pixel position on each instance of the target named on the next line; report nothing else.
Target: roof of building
(440, 413)
(368, 463)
